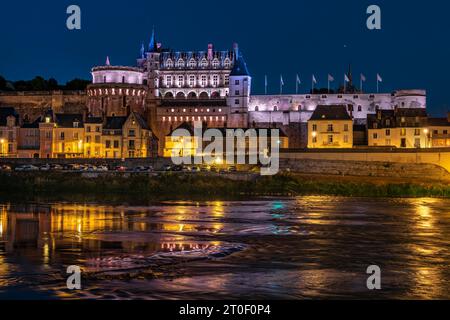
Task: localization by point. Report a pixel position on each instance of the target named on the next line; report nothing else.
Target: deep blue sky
(277, 37)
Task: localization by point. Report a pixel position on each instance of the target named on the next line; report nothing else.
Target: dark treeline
(41, 84)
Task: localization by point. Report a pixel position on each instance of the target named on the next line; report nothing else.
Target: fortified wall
(34, 103)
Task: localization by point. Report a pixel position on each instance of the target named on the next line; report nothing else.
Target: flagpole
(296, 85)
(361, 85)
(345, 84)
(378, 86)
(328, 85)
(265, 85)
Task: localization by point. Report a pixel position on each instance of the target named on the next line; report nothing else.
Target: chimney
(210, 51)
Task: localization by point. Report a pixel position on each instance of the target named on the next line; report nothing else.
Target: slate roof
(240, 67)
(438, 122)
(68, 120)
(94, 120)
(115, 123)
(331, 112)
(142, 123)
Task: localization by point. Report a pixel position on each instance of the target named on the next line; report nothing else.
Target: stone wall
(422, 164)
(34, 104)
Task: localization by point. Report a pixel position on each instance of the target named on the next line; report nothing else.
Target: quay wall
(423, 164)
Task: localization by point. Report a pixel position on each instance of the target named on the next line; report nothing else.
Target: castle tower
(240, 90)
(153, 66)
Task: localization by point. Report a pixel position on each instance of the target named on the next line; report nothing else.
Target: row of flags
(330, 79)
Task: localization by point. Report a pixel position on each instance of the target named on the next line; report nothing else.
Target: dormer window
(76, 124)
(181, 63)
(204, 63)
(47, 119)
(215, 63)
(169, 63)
(227, 63)
(192, 63)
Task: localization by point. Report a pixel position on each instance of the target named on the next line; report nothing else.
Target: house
(440, 131)
(68, 136)
(330, 126)
(93, 128)
(399, 128)
(29, 140)
(9, 132)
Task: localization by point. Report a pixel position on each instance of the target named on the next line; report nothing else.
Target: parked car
(45, 167)
(143, 169)
(177, 168)
(5, 168)
(205, 169)
(102, 168)
(120, 169)
(56, 167)
(167, 167)
(185, 169)
(25, 168)
(232, 169)
(195, 169)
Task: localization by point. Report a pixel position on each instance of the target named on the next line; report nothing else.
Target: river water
(291, 248)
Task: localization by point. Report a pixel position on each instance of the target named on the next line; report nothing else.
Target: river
(289, 248)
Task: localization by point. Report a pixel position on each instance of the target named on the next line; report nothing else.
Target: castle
(171, 87)
(168, 88)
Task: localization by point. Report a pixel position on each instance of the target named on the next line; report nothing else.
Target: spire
(153, 46)
(240, 67)
(108, 63)
(142, 52)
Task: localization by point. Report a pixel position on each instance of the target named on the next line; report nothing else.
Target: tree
(77, 84)
(3, 83)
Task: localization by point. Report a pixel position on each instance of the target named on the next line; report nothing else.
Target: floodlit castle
(170, 88)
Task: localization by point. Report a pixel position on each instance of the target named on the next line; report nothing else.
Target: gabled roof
(68, 120)
(142, 123)
(115, 123)
(331, 112)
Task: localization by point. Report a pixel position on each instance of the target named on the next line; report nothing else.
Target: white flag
(346, 78)
(314, 79)
(363, 78)
(281, 80)
(379, 79)
(330, 78)
(298, 80)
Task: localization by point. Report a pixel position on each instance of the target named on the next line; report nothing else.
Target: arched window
(192, 95)
(204, 96)
(275, 108)
(256, 108)
(181, 95)
(215, 95)
(168, 95)
(359, 108)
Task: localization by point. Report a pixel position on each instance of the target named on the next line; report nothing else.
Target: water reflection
(306, 247)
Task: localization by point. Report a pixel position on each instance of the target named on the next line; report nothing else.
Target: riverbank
(191, 186)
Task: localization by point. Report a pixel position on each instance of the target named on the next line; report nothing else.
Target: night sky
(276, 37)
